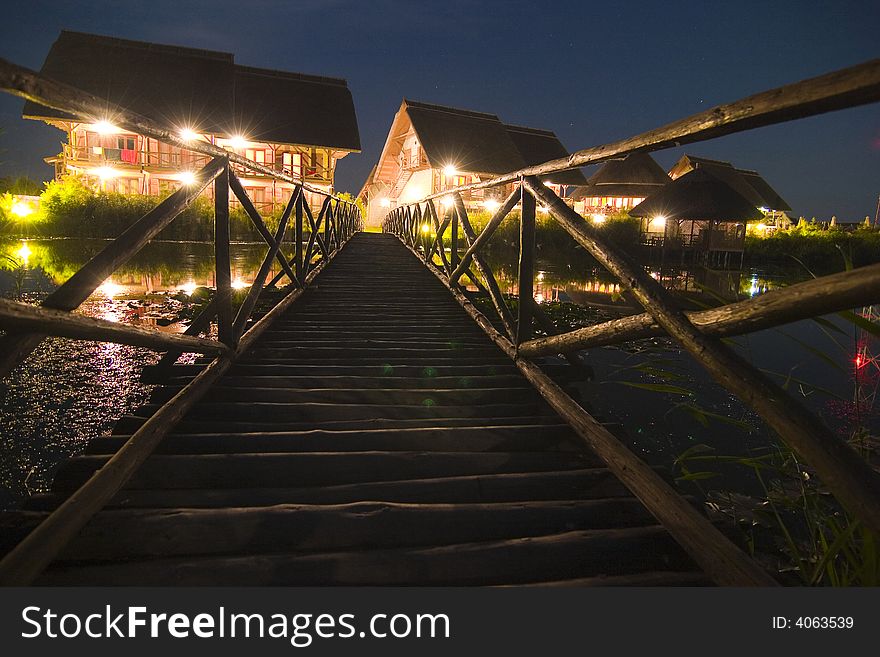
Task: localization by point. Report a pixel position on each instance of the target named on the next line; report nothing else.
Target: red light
(859, 360)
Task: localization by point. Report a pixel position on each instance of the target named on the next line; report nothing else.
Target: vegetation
(817, 247)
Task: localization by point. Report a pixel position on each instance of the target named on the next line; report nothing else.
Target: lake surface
(68, 392)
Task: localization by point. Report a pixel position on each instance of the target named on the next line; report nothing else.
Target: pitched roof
(201, 89)
(634, 176)
(282, 107)
(700, 194)
(538, 146)
(469, 141)
(749, 183)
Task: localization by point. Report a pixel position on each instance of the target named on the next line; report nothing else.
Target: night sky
(592, 72)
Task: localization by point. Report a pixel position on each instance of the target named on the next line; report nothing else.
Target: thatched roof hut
(747, 182)
(635, 176)
(203, 90)
(698, 195)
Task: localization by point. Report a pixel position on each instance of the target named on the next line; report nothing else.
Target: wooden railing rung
(19, 317)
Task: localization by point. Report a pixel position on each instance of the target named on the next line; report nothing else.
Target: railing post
(223, 276)
(526, 266)
(453, 242)
(298, 234)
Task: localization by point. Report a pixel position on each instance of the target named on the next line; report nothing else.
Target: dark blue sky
(592, 72)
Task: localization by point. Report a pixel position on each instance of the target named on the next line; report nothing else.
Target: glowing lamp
(447, 202)
(105, 128)
(238, 284)
(385, 202)
(426, 228)
(188, 134)
(105, 173)
(187, 177)
(659, 221)
(449, 170)
(238, 141)
(491, 205)
(598, 218)
(188, 288)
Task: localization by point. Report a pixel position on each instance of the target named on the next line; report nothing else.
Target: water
(70, 391)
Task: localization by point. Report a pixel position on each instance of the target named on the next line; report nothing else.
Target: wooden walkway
(374, 436)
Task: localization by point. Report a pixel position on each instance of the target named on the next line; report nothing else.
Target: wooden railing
(314, 240)
(427, 231)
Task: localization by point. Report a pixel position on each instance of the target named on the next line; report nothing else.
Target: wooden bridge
(368, 424)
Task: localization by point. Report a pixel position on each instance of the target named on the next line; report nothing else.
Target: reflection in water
(69, 391)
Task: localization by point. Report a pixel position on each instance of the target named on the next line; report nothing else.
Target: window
(291, 163)
(125, 143)
(258, 155)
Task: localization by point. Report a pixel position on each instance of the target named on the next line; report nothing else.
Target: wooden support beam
(14, 349)
(250, 301)
(526, 267)
(222, 272)
(240, 193)
(491, 284)
(820, 296)
(485, 235)
(18, 317)
(846, 474)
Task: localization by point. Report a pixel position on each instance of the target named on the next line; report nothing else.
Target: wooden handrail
(22, 317)
(848, 87)
(820, 296)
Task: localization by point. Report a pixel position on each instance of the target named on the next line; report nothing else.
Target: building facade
(433, 148)
(301, 125)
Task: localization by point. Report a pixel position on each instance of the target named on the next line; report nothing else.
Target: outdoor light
(385, 202)
(659, 220)
(187, 177)
(491, 205)
(21, 209)
(764, 210)
(105, 172)
(105, 128)
(447, 202)
(188, 288)
(449, 170)
(426, 228)
(544, 209)
(598, 218)
(238, 141)
(238, 284)
(188, 134)
(24, 252)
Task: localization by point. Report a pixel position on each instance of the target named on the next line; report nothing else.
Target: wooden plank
(849, 476)
(712, 551)
(223, 274)
(828, 294)
(17, 317)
